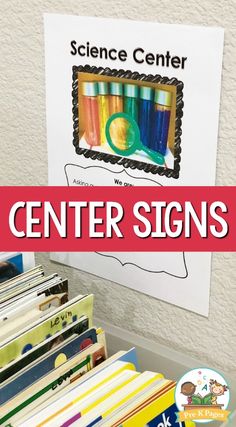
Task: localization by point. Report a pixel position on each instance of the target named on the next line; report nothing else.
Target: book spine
(49, 390)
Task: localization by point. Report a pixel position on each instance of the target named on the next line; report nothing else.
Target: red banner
(87, 219)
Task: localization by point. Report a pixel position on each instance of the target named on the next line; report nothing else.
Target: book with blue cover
(32, 373)
(77, 327)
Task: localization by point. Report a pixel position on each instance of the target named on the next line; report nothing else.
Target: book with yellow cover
(129, 356)
(87, 402)
(136, 402)
(66, 403)
(158, 409)
(114, 401)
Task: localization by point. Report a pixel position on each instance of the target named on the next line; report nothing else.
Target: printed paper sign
(135, 103)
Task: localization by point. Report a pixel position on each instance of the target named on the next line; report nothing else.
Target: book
(51, 384)
(84, 390)
(82, 405)
(159, 409)
(46, 364)
(10, 414)
(13, 310)
(197, 399)
(101, 337)
(22, 278)
(134, 402)
(129, 357)
(88, 375)
(16, 321)
(49, 285)
(38, 332)
(113, 402)
(60, 392)
(77, 327)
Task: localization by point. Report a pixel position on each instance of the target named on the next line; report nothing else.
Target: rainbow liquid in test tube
(131, 100)
(161, 120)
(116, 98)
(131, 108)
(116, 106)
(91, 113)
(103, 107)
(146, 111)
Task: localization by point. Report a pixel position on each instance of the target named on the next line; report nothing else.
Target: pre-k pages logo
(202, 395)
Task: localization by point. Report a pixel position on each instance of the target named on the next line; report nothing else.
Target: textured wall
(24, 161)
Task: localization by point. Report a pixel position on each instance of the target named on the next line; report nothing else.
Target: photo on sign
(11, 265)
(128, 118)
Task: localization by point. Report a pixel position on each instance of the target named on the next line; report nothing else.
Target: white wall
(24, 162)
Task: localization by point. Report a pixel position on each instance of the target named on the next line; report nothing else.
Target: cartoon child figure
(188, 389)
(216, 390)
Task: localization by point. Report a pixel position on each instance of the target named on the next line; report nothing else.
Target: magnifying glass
(123, 136)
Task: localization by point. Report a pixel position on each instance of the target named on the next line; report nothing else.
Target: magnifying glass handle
(155, 156)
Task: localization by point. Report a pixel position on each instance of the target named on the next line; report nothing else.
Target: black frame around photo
(116, 159)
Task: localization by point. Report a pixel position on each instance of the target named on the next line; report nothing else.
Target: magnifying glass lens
(123, 136)
(122, 133)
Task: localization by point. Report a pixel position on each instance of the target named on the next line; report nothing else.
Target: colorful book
(134, 402)
(160, 409)
(82, 406)
(77, 327)
(102, 410)
(51, 384)
(129, 356)
(50, 361)
(48, 416)
(10, 417)
(60, 318)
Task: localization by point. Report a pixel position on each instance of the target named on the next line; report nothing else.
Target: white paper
(178, 278)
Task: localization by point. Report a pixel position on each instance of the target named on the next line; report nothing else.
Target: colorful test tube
(103, 107)
(161, 121)
(91, 113)
(146, 112)
(131, 108)
(116, 98)
(119, 126)
(131, 100)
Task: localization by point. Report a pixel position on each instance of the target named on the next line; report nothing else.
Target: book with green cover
(53, 323)
(197, 399)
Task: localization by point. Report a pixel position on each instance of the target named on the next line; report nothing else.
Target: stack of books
(54, 368)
